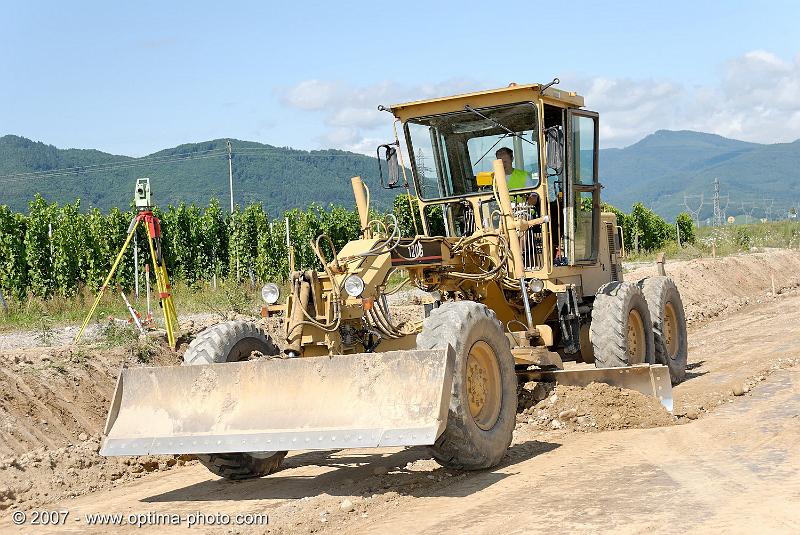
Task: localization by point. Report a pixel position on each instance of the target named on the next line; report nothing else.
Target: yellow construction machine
(525, 274)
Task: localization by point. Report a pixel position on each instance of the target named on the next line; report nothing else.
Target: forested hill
(657, 171)
(280, 177)
(663, 167)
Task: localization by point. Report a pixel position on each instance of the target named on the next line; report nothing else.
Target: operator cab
(549, 150)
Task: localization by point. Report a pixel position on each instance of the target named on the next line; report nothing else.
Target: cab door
(583, 208)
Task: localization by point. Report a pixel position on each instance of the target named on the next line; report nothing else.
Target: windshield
(448, 151)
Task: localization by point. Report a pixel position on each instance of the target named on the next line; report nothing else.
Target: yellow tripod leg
(164, 294)
(131, 232)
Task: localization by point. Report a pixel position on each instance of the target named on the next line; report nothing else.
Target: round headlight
(270, 293)
(535, 285)
(354, 285)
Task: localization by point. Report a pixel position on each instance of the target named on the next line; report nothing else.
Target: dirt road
(730, 464)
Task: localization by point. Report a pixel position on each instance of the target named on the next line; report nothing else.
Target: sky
(136, 77)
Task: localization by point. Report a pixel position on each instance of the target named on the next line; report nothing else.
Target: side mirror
(554, 143)
(392, 167)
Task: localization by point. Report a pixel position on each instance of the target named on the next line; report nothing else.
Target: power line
(748, 207)
(112, 165)
(77, 171)
(694, 212)
(172, 158)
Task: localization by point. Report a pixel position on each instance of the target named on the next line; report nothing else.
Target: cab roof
(511, 94)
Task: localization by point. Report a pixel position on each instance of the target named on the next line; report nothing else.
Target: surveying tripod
(162, 281)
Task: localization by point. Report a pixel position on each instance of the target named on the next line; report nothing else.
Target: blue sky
(135, 77)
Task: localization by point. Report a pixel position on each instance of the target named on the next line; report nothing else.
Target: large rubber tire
(475, 335)
(669, 324)
(616, 305)
(231, 342)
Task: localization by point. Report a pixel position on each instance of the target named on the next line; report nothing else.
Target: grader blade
(650, 380)
(396, 398)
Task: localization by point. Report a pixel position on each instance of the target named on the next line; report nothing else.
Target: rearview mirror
(392, 167)
(554, 143)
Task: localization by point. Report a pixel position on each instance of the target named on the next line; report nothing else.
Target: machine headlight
(535, 285)
(354, 285)
(270, 293)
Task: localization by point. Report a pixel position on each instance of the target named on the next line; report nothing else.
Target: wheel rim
(483, 385)
(636, 340)
(670, 330)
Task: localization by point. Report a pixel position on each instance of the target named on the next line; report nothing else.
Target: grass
(728, 240)
(43, 315)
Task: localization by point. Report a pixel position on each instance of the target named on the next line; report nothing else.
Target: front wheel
(621, 330)
(669, 324)
(483, 404)
(231, 342)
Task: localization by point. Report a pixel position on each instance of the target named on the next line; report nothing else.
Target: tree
(685, 226)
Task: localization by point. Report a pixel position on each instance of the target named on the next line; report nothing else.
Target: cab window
(448, 151)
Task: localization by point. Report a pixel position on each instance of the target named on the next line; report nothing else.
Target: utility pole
(230, 170)
(748, 208)
(768, 204)
(694, 212)
(719, 218)
(230, 182)
(422, 171)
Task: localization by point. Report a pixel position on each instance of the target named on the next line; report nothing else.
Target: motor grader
(525, 277)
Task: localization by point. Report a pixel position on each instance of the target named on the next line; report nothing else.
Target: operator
(516, 178)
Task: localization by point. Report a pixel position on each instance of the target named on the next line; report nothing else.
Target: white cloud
(351, 113)
(312, 94)
(757, 98)
(630, 108)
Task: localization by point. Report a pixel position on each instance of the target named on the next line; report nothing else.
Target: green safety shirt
(518, 179)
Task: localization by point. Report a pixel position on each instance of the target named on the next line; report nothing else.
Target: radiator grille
(531, 239)
(612, 251)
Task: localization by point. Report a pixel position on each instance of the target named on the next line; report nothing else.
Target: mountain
(657, 171)
(663, 167)
(279, 177)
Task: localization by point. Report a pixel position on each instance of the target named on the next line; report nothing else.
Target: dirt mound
(43, 475)
(49, 396)
(711, 286)
(53, 405)
(598, 407)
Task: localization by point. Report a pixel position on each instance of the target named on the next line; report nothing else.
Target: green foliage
(213, 240)
(200, 245)
(197, 245)
(407, 215)
(117, 334)
(38, 248)
(306, 225)
(649, 231)
(13, 264)
(68, 241)
(686, 228)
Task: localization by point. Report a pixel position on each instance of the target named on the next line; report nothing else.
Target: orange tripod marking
(163, 286)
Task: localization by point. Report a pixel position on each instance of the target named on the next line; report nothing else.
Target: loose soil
(743, 355)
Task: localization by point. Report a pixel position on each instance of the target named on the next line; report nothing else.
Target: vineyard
(55, 250)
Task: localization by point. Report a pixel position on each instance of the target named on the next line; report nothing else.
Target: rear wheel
(621, 328)
(231, 342)
(483, 404)
(669, 324)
